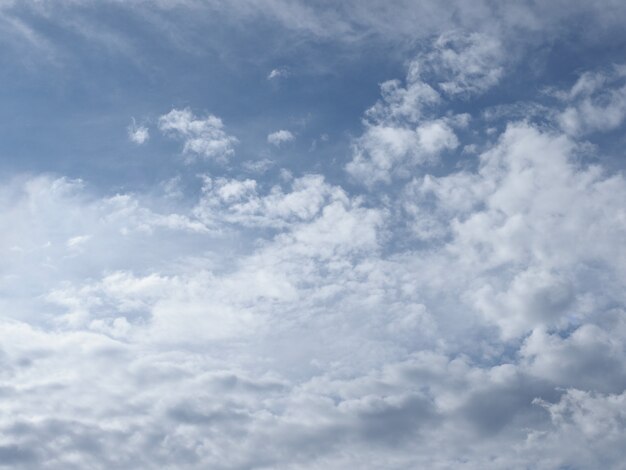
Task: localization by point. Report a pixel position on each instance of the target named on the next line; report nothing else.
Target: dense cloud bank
(418, 314)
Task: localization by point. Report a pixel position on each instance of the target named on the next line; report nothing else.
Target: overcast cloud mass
(285, 234)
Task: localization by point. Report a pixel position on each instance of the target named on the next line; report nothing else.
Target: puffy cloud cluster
(385, 152)
(204, 137)
(239, 202)
(407, 128)
(469, 316)
(280, 137)
(527, 186)
(317, 344)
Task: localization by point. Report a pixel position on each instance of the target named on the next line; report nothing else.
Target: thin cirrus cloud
(400, 302)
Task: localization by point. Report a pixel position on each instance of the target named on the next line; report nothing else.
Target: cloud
(463, 63)
(258, 166)
(595, 103)
(310, 341)
(203, 137)
(404, 104)
(586, 425)
(406, 128)
(278, 73)
(383, 152)
(240, 201)
(138, 134)
(498, 218)
(474, 302)
(399, 23)
(280, 137)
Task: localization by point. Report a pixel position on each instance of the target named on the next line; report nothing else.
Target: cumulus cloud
(404, 103)
(202, 136)
(406, 128)
(280, 137)
(242, 202)
(524, 246)
(385, 151)
(474, 304)
(500, 216)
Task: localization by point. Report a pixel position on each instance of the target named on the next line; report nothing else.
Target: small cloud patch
(280, 137)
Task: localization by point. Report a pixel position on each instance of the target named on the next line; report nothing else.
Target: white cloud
(595, 103)
(239, 201)
(280, 137)
(204, 137)
(309, 341)
(77, 241)
(406, 128)
(258, 166)
(403, 103)
(527, 187)
(464, 63)
(436, 136)
(278, 73)
(587, 427)
(297, 322)
(138, 134)
(384, 152)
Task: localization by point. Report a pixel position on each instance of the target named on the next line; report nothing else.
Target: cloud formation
(406, 128)
(449, 293)
(596, 102)
(202, 137)
(280, 137)
(278, 73)
(138, 134)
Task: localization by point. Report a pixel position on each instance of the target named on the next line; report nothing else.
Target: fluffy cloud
(280, 137)
(406, 128)
(239, 201)
(499, 217)
(383, 152)
(204, 137)
(474, 304)
(315, 344)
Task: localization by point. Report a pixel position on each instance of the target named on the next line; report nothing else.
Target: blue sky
(276, 234)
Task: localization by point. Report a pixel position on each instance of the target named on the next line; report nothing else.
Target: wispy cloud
(138, 134)
(278, 73)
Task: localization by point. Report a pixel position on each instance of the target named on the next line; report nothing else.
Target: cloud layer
(451, 293)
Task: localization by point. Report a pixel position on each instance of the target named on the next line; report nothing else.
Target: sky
(305, 235)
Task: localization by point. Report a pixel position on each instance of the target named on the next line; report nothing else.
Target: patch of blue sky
(67, 112)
